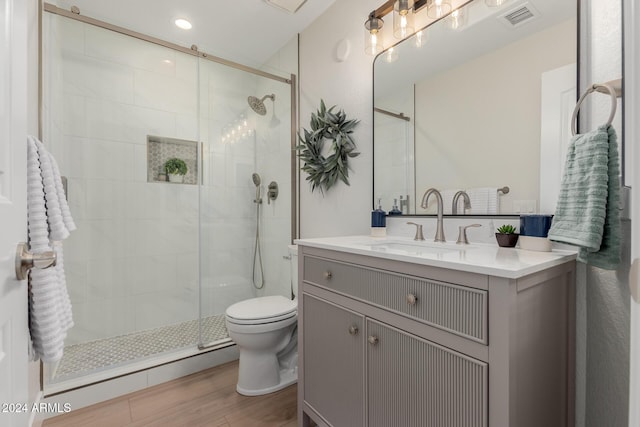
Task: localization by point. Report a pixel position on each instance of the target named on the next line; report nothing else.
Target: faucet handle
(419, 235)
(462, 233)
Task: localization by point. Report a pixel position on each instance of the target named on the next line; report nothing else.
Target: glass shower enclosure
(154, 264)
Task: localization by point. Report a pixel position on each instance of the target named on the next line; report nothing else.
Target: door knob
(373, 340)
(353, 330)
(26, 260)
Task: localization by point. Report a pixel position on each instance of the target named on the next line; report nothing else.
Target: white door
(558, 98)
(13, 212)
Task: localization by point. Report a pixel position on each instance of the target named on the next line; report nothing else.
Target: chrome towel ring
(613, 88)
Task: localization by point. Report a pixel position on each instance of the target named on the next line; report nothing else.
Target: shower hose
(257, 255)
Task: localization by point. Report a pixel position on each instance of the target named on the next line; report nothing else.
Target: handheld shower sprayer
(258, 283)
(256, 181)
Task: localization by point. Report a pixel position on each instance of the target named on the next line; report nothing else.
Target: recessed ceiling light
(183, 23)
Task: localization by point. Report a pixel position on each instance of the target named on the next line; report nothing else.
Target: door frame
(631, 52)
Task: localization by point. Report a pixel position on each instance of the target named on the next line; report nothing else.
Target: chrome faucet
(454, 204)
(439, 227)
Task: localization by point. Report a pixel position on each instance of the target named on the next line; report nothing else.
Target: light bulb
(403, 25)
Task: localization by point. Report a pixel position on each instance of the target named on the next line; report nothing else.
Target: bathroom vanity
(399, 333)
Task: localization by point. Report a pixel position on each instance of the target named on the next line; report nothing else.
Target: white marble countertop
(475, 258)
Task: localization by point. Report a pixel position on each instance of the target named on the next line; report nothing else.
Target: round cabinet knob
(412, 299)
(373, 340)
(353, 330)
(327, 275)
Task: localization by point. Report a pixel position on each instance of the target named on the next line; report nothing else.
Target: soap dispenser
(395, 210)
(379, 221)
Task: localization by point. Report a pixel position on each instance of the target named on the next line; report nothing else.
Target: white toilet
(265, 330)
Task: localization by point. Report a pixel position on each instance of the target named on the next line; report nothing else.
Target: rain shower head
(257, 105)
(256, 179)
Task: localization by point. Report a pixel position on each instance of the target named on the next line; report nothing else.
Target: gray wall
(603, 296)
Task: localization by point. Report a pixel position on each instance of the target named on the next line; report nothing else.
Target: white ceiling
(244, 31)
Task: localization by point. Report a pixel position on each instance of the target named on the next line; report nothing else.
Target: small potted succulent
(507, 236)
(176, 169)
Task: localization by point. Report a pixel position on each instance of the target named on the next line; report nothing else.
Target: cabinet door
(333, 362)
(417, 383)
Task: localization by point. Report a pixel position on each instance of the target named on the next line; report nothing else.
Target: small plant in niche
(506, 236)
(176, 169)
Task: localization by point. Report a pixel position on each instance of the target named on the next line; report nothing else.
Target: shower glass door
(154, 263)
(242, 148)
(115, 109)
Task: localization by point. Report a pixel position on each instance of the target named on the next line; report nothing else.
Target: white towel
(484, 201)
(50, 314)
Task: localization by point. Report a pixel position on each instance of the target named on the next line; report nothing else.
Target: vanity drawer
(460, 310)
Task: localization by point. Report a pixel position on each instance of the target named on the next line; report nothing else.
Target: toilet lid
(263, 309)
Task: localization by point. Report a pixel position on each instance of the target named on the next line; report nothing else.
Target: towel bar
(26, 260)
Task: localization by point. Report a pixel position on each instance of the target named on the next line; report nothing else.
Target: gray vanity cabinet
(415, 383)
(388, 343)
(334, 348)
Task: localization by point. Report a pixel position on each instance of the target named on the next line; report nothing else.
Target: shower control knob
(412, 299)
(327, 275)
(353, 330)
(373, 340)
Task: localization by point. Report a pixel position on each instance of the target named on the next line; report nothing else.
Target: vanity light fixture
(438, 8)
(183, 23)
(495, 3)
(403, 18)
(373, 35)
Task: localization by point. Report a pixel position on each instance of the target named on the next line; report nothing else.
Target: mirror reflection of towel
(484, 201)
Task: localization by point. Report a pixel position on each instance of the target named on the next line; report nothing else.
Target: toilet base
(287, 377)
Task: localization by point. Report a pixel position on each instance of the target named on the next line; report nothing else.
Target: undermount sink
(416, 248)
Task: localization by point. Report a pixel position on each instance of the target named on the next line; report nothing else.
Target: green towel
(587, 214)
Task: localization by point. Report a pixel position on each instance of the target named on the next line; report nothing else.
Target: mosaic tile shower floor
(84, 358)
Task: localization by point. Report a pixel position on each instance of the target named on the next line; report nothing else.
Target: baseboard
(109, 389)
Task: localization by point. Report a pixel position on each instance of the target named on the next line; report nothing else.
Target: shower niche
(160, 149)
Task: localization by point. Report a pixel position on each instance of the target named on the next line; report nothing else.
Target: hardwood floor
(208, 398)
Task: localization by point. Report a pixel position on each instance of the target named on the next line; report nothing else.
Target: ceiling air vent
(520, 15)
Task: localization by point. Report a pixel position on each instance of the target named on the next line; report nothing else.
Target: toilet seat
(262, 310)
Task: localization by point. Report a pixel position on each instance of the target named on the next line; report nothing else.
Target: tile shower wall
(132, 263)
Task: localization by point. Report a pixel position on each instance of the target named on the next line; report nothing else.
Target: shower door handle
(26, 260)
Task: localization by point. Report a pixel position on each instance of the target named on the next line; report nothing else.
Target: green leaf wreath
(324, 172)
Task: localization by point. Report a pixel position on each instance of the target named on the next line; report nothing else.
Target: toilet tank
(293, 267)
